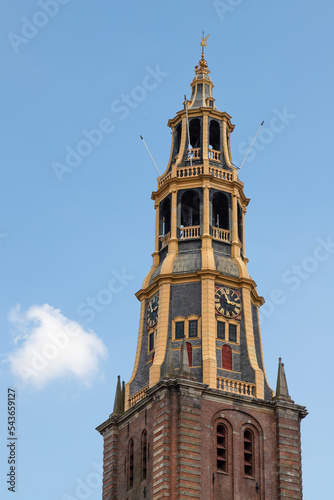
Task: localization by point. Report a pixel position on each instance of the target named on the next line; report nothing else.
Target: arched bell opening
(195, 132)
(221, 217)
(165, 223)
(177, 138)
(214, 141)
(190, 215)
(194, 146)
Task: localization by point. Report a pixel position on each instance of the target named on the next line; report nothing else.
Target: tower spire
(282, 391)
(118, 404)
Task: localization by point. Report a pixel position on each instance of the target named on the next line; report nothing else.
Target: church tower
(197, 419)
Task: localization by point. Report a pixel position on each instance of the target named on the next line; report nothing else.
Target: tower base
(186, 441)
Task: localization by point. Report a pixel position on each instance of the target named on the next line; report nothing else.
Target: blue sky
(67, 233)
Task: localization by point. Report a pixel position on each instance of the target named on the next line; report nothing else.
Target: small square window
(179, 329)
(193, 328)
(151, 341)
(221, 330)
(232, 333)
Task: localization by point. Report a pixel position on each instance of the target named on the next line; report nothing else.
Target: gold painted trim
(162, 333)
(139, 344)
(250, 342)
(261, 350)
(221, 280)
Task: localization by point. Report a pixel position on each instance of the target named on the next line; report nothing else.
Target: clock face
(227, 302)
(152, 311)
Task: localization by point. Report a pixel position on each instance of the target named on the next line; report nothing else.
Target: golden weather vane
(203, 41)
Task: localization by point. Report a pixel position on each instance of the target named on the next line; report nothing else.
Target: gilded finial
(203, 66)
(203, 42)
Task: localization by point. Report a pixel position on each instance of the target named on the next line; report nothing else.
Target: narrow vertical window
(193, 328)
(226, 357)
(221, 448)
(130, 462)
(232, 333)
(248, 453)
(151, 341)
(144, 455)
(190, 353)
(221, 330)
(179, 329)
(240, 229)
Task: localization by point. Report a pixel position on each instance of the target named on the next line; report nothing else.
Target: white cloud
(51, 346)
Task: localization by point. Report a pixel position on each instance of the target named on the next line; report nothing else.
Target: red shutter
(226, 357)
(190, 353)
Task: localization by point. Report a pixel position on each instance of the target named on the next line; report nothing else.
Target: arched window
(220, 211)
(240, 231)
(190, 353)
(130, 464)
(214, 135)
(190, 209)
(195, 133)
(226, 357)
(165, 217)
(248, 453)
(221, 448)
(177, 138)
(144, 455)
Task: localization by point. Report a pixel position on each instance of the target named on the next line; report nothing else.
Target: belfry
(197, 419)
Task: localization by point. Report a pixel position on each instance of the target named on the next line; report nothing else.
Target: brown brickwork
(181, 418)
(110, 461)
(288, 450)
(188, 459)
(162, 446)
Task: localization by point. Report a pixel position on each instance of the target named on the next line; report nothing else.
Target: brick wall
(181, 418)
